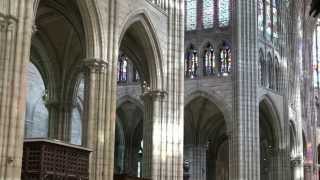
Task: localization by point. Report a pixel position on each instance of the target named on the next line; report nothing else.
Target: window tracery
(261, 15)
(224, 12)
(209, 63)
(268, 19)
(122, 75)
(191, 64)
(208, 11)
(275, 19)
(225, 60)
(191, 14)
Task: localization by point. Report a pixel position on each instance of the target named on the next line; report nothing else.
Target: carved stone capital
(295, 162)
(7, 22)
(95, 65)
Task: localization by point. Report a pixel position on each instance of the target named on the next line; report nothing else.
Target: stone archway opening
(138, 75)
(58, 46)
(128, 150)
(206, 151)
(268, 142)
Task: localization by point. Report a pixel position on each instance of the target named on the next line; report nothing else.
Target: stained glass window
(224, 12)
(136, 76)
(268, 20)
(191, 64)
(209, 63)
(225, 60)
(260, 15)
(122, 69)
(275, 19)
(191, 14)
(207, 13)
(316, 56)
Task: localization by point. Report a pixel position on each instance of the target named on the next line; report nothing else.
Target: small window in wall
(37, 115)
(224, 12)
(225, 60)
(136, 76)
(122, 75)
(191, 14)
(207, 16)
(191, 63)
(209, 64)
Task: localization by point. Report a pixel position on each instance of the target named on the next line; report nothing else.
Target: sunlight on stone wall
(36, 112)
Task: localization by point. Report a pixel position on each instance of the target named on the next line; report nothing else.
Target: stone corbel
(152, 94)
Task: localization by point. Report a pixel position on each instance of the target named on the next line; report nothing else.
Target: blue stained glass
(260, 15)
(191, 14)
(275, 20)
(207, 14)
(224, 12)
(268, 20)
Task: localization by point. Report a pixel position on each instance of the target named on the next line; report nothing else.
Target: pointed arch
(151, 56)
(191, 62)
(269, 110)
(209, 60)
(216, 99)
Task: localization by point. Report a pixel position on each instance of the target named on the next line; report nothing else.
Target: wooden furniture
(45, 159)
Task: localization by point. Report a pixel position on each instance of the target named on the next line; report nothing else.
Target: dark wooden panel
(52, 160)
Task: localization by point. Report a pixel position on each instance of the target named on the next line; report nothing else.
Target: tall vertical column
(99, 131)
(244, 161)
(152, 139)
(15, 37)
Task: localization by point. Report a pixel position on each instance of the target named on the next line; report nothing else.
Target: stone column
(244, 161)
(59, 113)
(52, 107)
(152, 140)
(99, 131)
(296, 168)
(15, 38)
